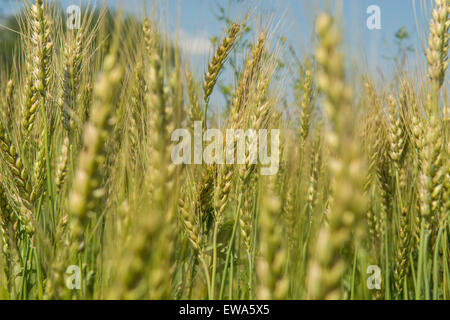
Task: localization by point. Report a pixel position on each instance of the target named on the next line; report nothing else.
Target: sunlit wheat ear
(222, 191)
(218, 61)
(347, 170)
(263, 107)
(330, 78)
(395, 133)
(437, 50)
(20, 176)
(312, 193)
(55, 285)
(176, 97)
(71, 78)
(133, 268)
(250, 72)
(149, 36)
(259, 112)
(376, 140)
(6, 219)
(225, 172)
(272, 279)
(401, 258)
(375, 146)
(343, 230)
(161, 117)
(289, 215)
(431, 178)
(385, 191)
(192, 226)
(194, 110)
(134, 124)
(8, 109)
(9, 94)
(446, 115)
(246, 215)
(162, 176)
(307, 106)
(248, 173)
(161, 275)
(41, 46)
(446, 193)
(417, 138)
(39, 169)
(204, 198)
(85, 101)
(87, 179)
(61, 168)
(29, 104)
(281, 174)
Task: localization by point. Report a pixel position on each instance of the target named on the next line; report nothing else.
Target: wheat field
(358, 208)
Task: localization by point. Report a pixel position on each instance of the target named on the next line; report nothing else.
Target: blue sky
(198, 24)
(195, 21)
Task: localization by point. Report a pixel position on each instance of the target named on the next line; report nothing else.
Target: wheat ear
(42, 47)
(437, 50)
(20, 177)
(307, 106)
(71, 78)
(61, 168)
(82, 198)
(431, 178)
(5, 229)
(272, 280)
(346, 169)
(401, 258)
(217, 63)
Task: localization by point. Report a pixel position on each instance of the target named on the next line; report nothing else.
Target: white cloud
(198, 44)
